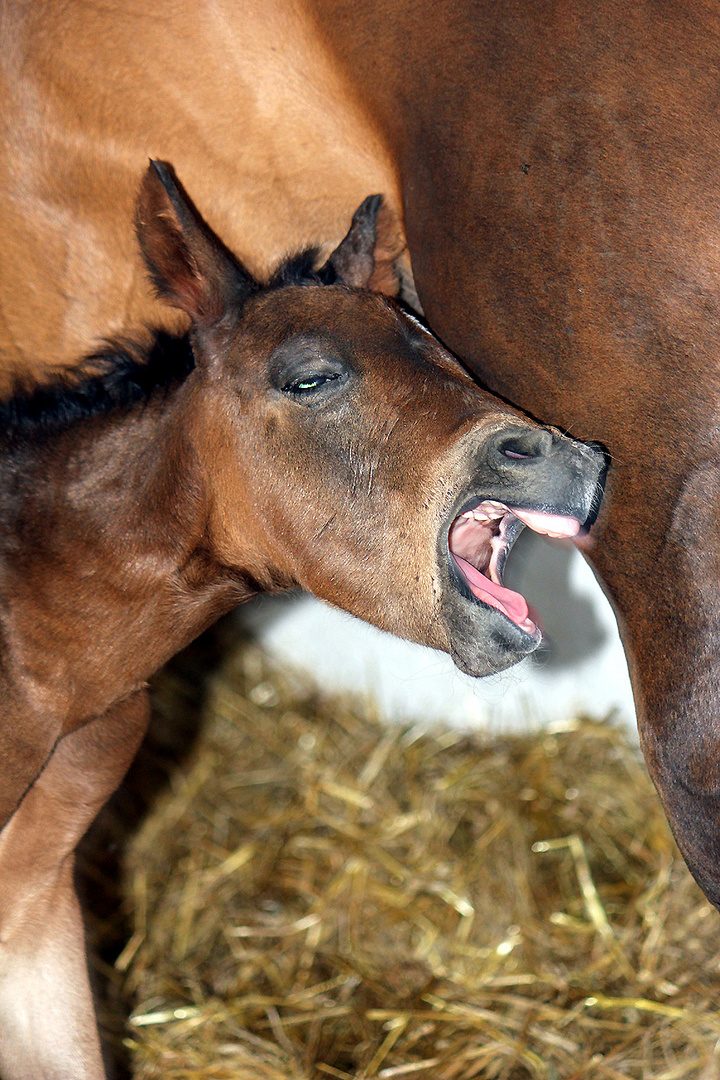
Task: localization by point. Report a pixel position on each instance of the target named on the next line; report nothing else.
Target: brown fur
(77, 129)
(323, 439)
(555, 168)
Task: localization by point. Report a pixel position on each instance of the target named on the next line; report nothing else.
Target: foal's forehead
(352, 314)
(363, 328)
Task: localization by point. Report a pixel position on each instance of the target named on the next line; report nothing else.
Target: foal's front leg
(47, 1021)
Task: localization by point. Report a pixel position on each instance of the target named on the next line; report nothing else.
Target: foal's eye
(309, 370)
(308, 384)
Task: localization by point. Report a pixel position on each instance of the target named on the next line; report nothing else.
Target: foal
(306, 433)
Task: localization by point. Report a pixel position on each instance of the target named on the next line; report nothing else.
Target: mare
(305, 433)
(553, 172)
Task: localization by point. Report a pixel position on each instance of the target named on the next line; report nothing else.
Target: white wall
(581, 671)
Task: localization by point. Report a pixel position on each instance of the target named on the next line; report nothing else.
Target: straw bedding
(315, 895)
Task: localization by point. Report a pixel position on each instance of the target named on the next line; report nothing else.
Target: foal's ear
(366, 258)
(190, 267)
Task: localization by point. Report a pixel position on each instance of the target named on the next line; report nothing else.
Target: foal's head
(345, 451)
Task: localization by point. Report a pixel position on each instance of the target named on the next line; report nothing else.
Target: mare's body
(555, 169)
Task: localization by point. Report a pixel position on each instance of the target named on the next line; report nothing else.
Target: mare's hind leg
(47, 1021)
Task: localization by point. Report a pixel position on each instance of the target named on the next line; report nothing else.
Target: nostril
(524, 445)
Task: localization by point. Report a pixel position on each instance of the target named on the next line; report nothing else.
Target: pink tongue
(510, 603)
(548, 524)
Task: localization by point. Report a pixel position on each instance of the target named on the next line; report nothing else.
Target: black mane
(300, 270)
(117, 377)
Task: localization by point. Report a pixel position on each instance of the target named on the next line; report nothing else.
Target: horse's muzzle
(521, 477)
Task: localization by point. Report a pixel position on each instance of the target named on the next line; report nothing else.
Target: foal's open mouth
(480, 539)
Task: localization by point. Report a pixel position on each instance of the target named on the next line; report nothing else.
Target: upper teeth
(489, 510)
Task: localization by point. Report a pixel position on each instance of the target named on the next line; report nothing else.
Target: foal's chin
(483, 641)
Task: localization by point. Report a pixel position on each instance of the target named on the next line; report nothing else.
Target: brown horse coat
(555, 168)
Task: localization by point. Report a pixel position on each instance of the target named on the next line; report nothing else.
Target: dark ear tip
(369, 207)
(164, 172)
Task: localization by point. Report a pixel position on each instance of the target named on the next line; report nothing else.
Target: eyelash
(307, 384)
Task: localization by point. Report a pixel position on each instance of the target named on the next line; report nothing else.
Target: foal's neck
(105, 565)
